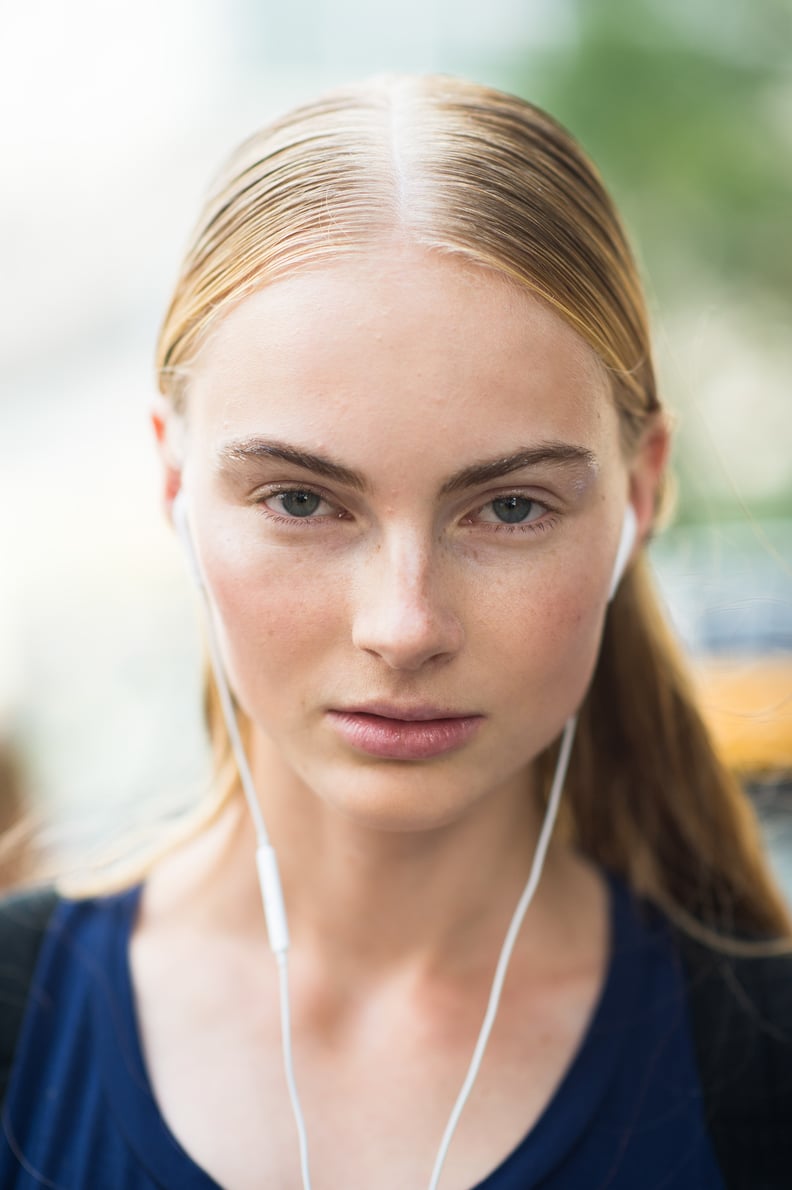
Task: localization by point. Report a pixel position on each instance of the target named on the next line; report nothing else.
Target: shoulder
(738, 1018)
(740, 1011)
(738, 996)
(24, 918)
(51, 948)
(741, 1006)
(24, 914)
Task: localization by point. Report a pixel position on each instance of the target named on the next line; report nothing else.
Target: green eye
(513, 509)
(299, 504)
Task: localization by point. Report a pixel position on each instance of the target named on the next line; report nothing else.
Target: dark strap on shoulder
(23, 922)
(741, 1014)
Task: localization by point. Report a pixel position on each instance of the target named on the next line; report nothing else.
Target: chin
(406, 798)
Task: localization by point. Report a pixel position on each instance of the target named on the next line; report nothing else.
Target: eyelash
(543, 525)
(315, 521)
(534, 527)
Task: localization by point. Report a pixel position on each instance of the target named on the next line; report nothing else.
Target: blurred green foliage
(687, 109)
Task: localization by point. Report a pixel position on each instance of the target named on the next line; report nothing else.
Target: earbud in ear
(182, 526)
(626, 542)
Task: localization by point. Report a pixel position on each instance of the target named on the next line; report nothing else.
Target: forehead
(402, 352)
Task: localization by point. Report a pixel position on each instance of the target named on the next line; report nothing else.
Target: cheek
(276, 615)
(573, 638)
(550, 641)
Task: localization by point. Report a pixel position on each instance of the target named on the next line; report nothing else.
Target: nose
(404, 614)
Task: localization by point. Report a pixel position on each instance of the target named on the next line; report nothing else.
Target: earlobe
(161, 420)
(646, 472)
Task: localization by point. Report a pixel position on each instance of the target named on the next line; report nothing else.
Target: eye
(298, 503)
(512, 510)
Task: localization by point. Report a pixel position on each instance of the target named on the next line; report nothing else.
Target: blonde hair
(463, 169)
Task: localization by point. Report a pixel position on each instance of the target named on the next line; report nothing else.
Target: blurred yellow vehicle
(728, 589)
(747, 702)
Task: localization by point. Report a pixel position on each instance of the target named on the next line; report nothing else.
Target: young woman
(413, 447)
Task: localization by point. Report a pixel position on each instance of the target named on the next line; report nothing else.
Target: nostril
(407, 636)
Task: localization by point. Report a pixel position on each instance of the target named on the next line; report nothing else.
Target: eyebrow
(557, 454)
(253, 449)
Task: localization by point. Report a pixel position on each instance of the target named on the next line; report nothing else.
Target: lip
(416, 713)
(404, 733)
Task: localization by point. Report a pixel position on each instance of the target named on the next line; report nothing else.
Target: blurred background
(115, 117)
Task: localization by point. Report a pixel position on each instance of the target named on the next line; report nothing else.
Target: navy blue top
(81, 1112)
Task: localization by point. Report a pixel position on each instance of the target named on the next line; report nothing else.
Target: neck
(374, 900)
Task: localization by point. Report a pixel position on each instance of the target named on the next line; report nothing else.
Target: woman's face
(405, 486)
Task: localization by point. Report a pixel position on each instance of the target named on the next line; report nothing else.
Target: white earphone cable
(272, 897)
(266, 860)
(226, 702)
(508, 946)
(288, 1066)
(272, 894)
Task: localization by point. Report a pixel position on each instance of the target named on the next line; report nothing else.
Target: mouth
(404, 733)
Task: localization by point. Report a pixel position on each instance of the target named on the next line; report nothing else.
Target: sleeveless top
(80, 1110)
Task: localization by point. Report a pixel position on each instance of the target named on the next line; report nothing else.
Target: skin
(400, 876)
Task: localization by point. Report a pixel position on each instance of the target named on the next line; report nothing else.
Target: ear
(646, 469)
(163, 420)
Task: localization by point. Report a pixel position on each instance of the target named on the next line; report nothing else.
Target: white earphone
(629, 532)
(182, 526)
(267, 865)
